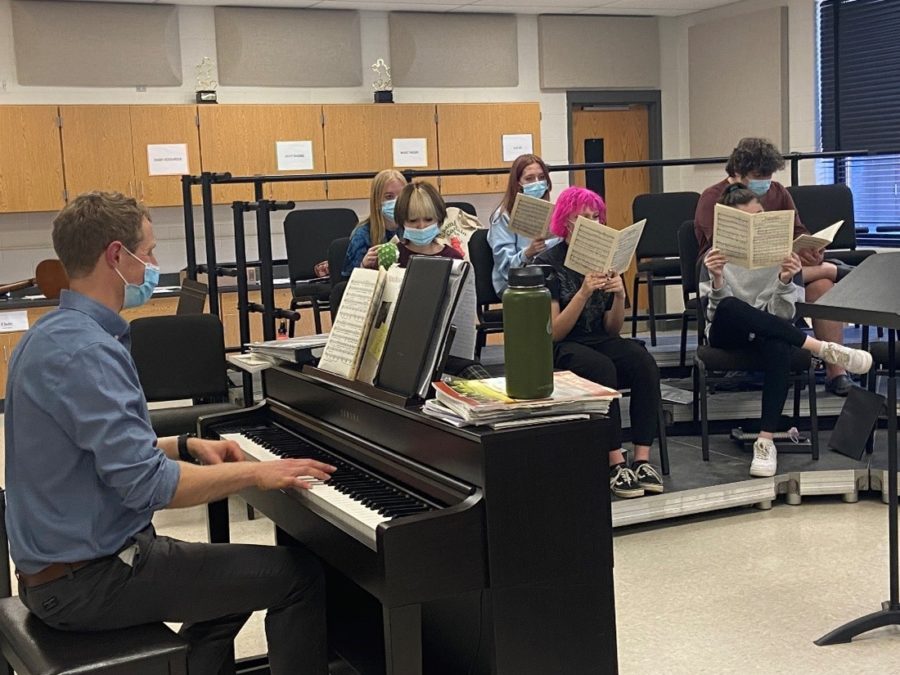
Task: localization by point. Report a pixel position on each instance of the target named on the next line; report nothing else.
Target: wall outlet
(2, 85)
(141, 89)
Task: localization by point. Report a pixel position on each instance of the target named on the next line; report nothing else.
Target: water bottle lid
(526, 277)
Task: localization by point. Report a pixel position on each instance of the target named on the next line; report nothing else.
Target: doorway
(617, 126)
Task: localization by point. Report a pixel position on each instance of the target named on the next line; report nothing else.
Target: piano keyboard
(353, 500)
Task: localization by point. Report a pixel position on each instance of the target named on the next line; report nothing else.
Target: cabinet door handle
(130, 189)
(142, 189)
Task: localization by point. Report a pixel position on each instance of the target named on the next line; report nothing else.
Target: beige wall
(24, 239)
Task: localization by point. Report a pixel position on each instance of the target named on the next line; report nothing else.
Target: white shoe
(852, 360)
(765, 458)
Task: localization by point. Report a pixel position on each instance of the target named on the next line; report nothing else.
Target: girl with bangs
(420, 211)
(527, 175)
(587, 313)
(378, 227)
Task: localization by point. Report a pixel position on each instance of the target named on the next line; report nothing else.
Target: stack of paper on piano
(485, 401)
(303, 349)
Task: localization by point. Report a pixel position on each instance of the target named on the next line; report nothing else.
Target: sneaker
(648, 477)
(623, 483)
(765, 458)
(854, 360)
(839, 385)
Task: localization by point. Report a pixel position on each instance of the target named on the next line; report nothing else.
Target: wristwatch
(183, 454)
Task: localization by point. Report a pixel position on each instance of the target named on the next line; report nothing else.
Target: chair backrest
(192, 299)
(822, 205)
(337, 252)
(665, 212)
(482, 258)
(307, 235)
(180, 357)
(335, 297)
(464, 206)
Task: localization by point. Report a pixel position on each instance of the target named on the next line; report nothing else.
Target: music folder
(413, 335)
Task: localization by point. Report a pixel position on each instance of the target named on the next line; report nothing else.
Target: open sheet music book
(344, 350)
(530, 216)
(600, 248)
(819, 240)
(753, 240)
(381, 323)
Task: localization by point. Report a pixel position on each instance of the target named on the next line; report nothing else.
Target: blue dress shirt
(83, 472)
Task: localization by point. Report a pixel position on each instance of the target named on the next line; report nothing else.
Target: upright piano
(448, 551)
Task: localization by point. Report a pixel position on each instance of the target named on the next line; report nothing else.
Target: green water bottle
(527, 335)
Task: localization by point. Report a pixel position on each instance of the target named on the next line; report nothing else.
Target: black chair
(713, 365)
(464, 206)
(688, 252)
(489, 320)
(337, 253)
(822, 205)
(192, 299)
(30, 647)
(307, 235)
(181, 357)
(657, 251)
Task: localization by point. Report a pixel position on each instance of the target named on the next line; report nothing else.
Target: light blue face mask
(759, 186)
(537, 189)
(137, 294)
(421, 237)
(387, 209)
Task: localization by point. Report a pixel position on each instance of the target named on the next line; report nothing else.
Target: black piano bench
(30, 647)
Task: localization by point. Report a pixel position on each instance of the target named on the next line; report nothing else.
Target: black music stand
(868, 296)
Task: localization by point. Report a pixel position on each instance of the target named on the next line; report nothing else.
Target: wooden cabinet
(163, 124)
(96, 141)
(241, 139)
(360, 138)
(105, 148)
(471, 136)
(8, 341)
(31, 176)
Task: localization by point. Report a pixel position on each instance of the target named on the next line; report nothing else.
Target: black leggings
(734, 324)
(617, 362)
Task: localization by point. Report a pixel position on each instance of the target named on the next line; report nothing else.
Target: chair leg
(704, 422)
(651, 310)
(798, 385)
(663, 441)
(634, 303)
(684, 326)
(480, 341)
(695, 404)
(317, 315)
(872, 385)
(251, 514)
(813, 414)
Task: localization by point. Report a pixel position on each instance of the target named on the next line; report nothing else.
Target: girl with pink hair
(587, 313)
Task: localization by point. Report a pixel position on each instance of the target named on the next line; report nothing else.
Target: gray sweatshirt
(758, 288)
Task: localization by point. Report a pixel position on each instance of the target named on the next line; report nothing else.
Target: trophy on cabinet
(206, 85)
(384, 88)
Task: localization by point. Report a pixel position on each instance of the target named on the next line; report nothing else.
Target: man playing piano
(85, 473)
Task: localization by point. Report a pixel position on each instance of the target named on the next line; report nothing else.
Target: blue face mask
(137, 294)
(759, 186)
(421, 237)
(536, 189)
(387, 209)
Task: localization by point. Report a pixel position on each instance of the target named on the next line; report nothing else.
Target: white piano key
(341, 510)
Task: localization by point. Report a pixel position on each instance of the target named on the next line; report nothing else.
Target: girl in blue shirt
(528, 174)
(378, 227)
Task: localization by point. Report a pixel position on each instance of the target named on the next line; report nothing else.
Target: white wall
(24, 238)
(675, 79)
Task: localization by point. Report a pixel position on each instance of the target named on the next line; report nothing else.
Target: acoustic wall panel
(598, 52)
(453, 50)
(728, 102)
(288, 47)
(91, 44)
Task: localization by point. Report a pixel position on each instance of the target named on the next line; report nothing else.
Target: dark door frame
(648, 97)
